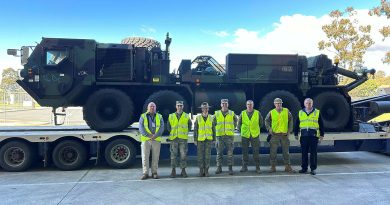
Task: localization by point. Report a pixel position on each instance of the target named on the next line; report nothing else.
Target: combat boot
(201, 172)
(206, 172)
(231, 170)
(219, 170)
(173, 173)
(244, 168)
(273, 169)
(183, 173)
(289, 169)
(258, 169)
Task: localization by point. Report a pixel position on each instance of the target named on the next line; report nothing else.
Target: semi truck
(113, 83)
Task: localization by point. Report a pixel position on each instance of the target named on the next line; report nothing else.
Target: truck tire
(108, 110)
(69, 155)
(334, 108)
(120, 153)
(16, 156)
(142, 42)
(165, 101)
(289, 101)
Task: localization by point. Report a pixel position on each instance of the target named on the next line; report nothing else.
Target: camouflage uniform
(224, 142)
(203, 147)
(255, 142)
(179, 144)
(276, 138)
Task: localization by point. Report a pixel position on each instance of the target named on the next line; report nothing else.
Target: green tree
(8, 80)
(383, 10)
(347, 39)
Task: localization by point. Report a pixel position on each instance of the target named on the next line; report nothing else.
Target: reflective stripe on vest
(179, 127)
(279, 121)
(205, 129)
(250, 127)
(309, 121)
(146, 126)
(225, 124)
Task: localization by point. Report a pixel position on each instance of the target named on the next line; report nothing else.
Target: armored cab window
(54, 57)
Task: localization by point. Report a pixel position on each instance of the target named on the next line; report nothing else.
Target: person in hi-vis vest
(311, 129)
(204, 137)
(224, 122)
(151, 127)
(178, 126)
(279, 123)
(249, 124)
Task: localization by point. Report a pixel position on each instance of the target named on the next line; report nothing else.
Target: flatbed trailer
(69, 147)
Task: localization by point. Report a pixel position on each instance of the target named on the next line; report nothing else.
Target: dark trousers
(309, 144)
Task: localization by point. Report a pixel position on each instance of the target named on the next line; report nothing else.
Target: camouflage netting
(142, 42)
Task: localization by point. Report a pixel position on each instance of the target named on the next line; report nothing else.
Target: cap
(224, 101)
(278, 100)
(179, 103)
(204, 105)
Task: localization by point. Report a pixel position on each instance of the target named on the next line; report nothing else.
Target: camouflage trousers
(274, 143)
(255, 143)
(179, 145)
(204, 153)
(225, 142)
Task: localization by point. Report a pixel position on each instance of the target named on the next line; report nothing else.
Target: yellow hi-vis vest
(179, 127)
(250, 127)
(225, 124)
(146, 126)
(205, 128)
(279, 121)
(309, 121)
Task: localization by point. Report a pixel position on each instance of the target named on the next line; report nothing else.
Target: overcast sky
(199, 27)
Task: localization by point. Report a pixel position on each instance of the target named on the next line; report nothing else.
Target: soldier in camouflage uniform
(178, 125)
(204, 138)
(249, 124)
(279, 123)
(224, 122)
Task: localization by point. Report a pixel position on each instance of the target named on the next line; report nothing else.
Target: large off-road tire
(69, 155)
(165, 101)
(289, 101)
(334, 108)
(108, 110)
(142, 42)
(120, 153)
(16, 156)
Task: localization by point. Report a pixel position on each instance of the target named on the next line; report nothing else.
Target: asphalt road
(343, 178)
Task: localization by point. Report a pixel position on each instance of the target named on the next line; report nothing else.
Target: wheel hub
(14, 156)
(120, 153)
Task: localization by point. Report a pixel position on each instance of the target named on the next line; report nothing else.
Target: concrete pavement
(343, 178)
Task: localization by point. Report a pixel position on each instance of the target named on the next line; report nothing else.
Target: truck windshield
(54, 57)
(207, 65)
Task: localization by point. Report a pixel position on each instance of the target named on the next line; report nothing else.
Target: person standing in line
(151, 127)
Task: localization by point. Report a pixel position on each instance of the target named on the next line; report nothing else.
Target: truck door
(56, 77)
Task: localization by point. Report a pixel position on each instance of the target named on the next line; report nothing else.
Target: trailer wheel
(289, 101)
(16, 156)
(165, 101)
(120, 153)
(108, 110)
(335, 110)
(142, 42)
(69, 155)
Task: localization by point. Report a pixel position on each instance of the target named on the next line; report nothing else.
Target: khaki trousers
(146, 147)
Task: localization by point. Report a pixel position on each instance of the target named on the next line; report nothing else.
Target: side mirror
(25, 53)
(12, 52)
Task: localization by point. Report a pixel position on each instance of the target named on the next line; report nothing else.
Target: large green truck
(114, 82)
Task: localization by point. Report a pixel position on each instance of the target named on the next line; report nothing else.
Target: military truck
(115, 82)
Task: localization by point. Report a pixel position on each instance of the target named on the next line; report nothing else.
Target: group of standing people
(218, 130)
